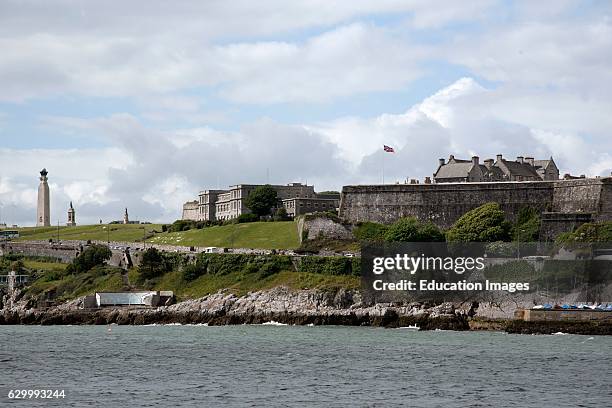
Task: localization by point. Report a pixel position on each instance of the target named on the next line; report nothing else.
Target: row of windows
(291, 204)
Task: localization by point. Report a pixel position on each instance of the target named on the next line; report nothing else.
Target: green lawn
(44, 266)
(101, 232)
(266, 235)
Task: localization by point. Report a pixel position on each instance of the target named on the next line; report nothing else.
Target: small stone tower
(126, 219)
(71, 220)
(43, 212)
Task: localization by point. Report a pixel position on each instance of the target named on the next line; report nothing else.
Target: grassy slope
(253, 235)
(239, 283)
(116, 232)
(266, 235)
(70, 287)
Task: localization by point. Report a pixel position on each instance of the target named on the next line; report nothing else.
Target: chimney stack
(427, 180)
(475, 160)
(451, 157)
(488, 163)
(529, 160)
(519, 159)
(499, 157)
(441, 161)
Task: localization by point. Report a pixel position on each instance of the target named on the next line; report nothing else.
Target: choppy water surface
(302, 366)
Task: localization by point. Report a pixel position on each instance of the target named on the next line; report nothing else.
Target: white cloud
(150, 48)
(352, 59)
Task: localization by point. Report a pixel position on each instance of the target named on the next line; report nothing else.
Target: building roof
(520, 169)
(497, 172)
(459, 169)
(543, 163)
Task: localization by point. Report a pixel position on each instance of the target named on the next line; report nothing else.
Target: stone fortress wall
(579, 201)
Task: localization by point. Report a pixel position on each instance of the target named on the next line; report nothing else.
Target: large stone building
(296, 198)
(472, 171)
(43, 210)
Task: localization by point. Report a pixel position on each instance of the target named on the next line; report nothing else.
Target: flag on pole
(388, 149)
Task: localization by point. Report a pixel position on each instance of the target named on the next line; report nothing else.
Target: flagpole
(383, 167)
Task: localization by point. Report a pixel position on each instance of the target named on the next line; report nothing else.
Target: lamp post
(518, 244)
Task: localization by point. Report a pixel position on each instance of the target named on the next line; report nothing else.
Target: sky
(142, 104)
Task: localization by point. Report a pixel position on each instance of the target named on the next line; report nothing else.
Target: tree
(261, 200)
(92, 256)
(153, 264)
(411, 230)
(486, 223)
(527, 226)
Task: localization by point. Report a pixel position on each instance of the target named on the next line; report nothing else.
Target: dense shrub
(501, 249)
(92, 256)
(186, 225)
(326, 265)
(411, 230)
(154, 264)
(243, 218)
(589, 232)
(370, 231)
(193, 271)
(527, 225)
(267, 265)
(486, 223)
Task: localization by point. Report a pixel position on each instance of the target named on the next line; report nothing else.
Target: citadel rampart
(63, 252)
(444, 203)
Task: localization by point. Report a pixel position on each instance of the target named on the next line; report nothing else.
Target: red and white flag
(388, 149)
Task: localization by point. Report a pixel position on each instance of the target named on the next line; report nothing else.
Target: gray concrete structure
(43, 210)
(148, 298)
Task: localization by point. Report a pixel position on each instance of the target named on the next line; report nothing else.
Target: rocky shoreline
(281, 305)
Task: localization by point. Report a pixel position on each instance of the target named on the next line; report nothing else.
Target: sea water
(196, 366)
